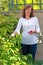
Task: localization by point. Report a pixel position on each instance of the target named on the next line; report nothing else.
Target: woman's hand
(13, 34)
(31, 32)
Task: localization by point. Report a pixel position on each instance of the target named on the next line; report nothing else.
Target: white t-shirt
(28, 25)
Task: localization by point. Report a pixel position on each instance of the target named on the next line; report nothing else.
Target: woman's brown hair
(23, 12)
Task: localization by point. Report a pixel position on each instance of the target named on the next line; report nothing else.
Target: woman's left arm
(37, 27)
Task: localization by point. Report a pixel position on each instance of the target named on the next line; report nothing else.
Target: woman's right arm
(17, 30)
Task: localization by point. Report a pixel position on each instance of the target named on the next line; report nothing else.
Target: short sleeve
(18, 26)
(37, 25)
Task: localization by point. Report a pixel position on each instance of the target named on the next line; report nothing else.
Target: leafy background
(10, 46)
(12, 5)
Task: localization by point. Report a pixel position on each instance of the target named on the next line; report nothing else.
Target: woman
(31, 28)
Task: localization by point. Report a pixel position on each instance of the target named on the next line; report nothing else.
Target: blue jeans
(29, 49)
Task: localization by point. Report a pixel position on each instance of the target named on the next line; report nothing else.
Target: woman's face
(28, 11)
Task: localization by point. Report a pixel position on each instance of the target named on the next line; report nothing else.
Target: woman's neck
(27, 17)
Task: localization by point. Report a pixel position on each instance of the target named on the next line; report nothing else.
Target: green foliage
(7, 24)
(6, 5)
(10, 46)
